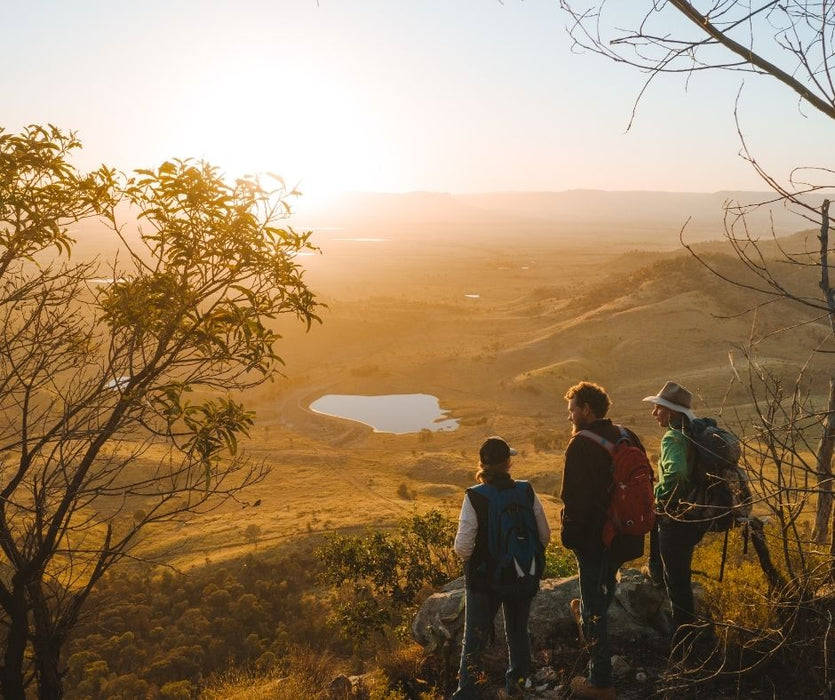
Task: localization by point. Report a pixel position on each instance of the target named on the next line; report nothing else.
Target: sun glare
(316, 133)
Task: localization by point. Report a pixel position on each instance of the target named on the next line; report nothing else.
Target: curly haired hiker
(585, 493)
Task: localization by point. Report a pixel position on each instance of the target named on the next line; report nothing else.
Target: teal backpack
(516, 555)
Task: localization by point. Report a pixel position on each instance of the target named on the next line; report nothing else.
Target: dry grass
(398, 322)
(308, 675)
(252, 687)
(551, 311)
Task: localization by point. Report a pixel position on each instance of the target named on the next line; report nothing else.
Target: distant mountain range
(644, 217)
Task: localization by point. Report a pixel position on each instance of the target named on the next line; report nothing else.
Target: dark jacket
(586, 482)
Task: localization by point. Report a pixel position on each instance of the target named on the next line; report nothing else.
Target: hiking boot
(581, 687)
(578, 619)
(655, 576)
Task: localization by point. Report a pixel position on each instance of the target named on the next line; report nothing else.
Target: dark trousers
(676, 541)
(656, 567)
(597, 590)
(479, 614)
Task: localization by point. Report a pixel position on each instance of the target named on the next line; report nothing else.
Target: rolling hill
(497, 334)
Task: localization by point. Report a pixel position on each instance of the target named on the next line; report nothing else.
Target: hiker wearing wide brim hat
(675, 398)
(672, 544)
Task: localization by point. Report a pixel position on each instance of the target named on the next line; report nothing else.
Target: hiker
(585, 494)
(676, 537)
(489, 584)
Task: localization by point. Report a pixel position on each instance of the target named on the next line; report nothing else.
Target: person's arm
(672, 468)
(467, 529)
(541, 521)
(577, 497)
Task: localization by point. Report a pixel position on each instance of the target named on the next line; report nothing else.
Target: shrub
(385, 572)
(559, 561)
(183, 626)
(761, 627)
(178, 690)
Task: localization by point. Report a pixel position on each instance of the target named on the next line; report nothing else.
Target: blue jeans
(480, 611)
(676, 541)
(597, 590)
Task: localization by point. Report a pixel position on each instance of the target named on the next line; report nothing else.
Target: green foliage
(739, 596)
(559, 561)
(167, 628)
(377, 578)
(145, 358)
(41, 193)
(743, 594)
(178, 690)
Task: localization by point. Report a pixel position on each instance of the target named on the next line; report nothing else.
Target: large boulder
(638, 615)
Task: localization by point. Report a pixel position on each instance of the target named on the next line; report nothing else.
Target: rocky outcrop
(639, 614)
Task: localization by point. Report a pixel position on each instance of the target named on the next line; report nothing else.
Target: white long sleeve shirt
(468, 527)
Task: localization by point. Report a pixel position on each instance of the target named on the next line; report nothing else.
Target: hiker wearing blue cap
(502, 535)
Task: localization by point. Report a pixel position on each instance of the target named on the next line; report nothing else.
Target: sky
(455, 96)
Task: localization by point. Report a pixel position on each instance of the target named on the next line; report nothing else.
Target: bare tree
(118, 385)
(788, 41)
(253, 534)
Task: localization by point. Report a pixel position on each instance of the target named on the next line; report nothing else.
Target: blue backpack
(517, 557)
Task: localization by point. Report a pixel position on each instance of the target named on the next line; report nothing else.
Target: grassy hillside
(497, 316)
(547, 315)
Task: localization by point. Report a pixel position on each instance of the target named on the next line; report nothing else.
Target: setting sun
(317, 127)
(445, 97)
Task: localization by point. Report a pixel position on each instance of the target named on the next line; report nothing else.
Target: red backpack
(631, 509)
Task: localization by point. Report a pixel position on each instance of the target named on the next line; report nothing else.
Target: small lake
(388, 413)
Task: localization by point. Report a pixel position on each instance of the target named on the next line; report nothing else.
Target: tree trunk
(824, 459)
(832, 554)
(824, 471)
(47, 641)
(11, 673)
(774, 577)
(46, 667)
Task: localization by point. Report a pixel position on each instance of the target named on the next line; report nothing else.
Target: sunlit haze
(465, 96)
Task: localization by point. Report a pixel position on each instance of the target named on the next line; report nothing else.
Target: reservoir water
(388, 413)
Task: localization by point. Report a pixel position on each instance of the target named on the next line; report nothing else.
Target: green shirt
(673, 482)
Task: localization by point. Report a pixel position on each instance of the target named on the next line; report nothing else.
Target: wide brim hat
(675, 397)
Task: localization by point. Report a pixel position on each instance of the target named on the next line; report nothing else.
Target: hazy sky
(385, 95)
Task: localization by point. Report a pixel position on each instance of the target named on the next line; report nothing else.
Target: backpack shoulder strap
(624, 435)
(524, 486)
(487, 490)
(599, 439)
(697, 428)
